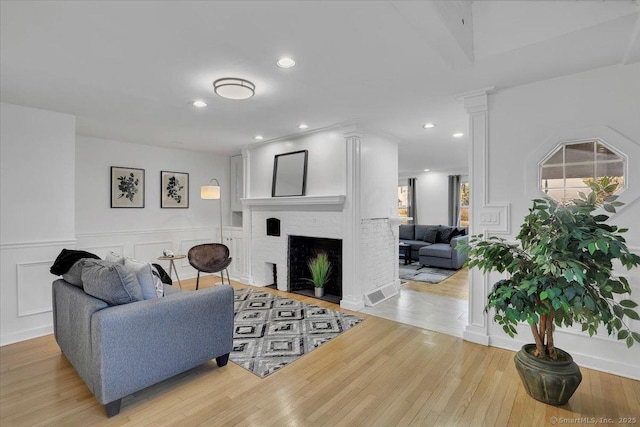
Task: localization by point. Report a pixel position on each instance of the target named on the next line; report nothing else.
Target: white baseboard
(28, 334)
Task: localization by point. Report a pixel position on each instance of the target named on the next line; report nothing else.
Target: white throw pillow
(145, 277)
(157, 282)
(114, 257)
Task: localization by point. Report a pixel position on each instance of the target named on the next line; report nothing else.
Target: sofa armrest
(458, 257)
(72, 312)
(139, 344)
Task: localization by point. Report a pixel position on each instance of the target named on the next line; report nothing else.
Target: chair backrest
(209, 257)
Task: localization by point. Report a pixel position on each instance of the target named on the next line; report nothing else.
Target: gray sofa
(434, 245)
(120, 349)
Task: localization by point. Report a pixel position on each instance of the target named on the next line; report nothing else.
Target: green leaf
(544, 295)
(623, 334)
(629, 341)
(589, 303)
(628, 303)
(631, 314)
(592, 248)
(607, 207)
(636, 336)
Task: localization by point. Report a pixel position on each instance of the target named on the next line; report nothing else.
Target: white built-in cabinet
(232, 237)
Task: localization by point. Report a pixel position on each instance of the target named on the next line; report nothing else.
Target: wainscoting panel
(102, 251)
(150, 251)
(34, 287)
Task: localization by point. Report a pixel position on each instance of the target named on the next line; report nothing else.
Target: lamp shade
(210, 192)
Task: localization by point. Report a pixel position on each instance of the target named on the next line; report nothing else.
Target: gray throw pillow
(74, 274)
(143, 273)
(444, 235)
(430, 235)
(110, 282)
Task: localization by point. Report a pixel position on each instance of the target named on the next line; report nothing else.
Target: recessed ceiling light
(427, 170)
(286, 62)
(257, 137)
(199, 103)
(303, 126)
(458, 135)
(428, 125)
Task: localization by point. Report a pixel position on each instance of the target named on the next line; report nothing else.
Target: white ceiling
(130, 70)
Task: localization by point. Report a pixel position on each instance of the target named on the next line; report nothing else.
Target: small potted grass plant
(320, 268)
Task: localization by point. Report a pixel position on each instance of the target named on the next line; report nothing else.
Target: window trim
(562, 144)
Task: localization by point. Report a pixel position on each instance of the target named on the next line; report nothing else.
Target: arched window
(571, 166)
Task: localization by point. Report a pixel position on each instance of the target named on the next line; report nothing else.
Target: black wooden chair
(210, 258)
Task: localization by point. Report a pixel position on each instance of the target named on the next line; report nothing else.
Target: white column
(485, 217)
(351, 286)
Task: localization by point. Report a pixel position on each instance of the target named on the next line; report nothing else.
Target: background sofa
(434, 245)
(120, 349)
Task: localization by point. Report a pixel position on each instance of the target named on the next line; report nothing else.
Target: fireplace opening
(301, 250)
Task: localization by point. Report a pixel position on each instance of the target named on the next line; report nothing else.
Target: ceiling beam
(447, 26)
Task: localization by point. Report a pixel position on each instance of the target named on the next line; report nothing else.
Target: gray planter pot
(318, 292)
(551, 382)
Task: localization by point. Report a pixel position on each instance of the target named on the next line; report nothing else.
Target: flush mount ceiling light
(303, 126)
(198, 103)
(427, 170)
(428, 125)
(233, 88)
(258, 137)
(458, 135)
(285, 62)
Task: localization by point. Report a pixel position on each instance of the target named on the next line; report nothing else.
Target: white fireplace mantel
(304, 202)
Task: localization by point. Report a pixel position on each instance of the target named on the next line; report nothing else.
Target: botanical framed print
(174, 189)
(127, 187)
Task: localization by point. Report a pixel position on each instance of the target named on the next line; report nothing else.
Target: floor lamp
(210, 192)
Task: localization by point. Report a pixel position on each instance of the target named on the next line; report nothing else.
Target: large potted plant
(560, 273)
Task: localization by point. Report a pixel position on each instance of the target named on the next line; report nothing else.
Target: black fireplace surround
(301, 249)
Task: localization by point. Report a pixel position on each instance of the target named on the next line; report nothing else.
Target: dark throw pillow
(431, 235)
(444, 235)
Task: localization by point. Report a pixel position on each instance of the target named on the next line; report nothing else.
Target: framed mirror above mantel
(290, 174)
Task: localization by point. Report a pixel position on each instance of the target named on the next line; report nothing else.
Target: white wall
(524, 124)
(144, 233)
(326, 168)
(37, 170)
(432, 194)
(37, 150)
(378, 176)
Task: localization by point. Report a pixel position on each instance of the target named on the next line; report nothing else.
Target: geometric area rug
(424, 274)
(271, 331)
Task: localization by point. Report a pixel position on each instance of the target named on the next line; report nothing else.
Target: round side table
(172, 266)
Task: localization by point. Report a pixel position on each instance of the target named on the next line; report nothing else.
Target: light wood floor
(379, 373)
(456, 286)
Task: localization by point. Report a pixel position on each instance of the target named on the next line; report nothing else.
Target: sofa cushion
(74, 274)
(430, 235)
(110, 282)
(438, 250)
(145, 277)
(407, 231)
(444, 234)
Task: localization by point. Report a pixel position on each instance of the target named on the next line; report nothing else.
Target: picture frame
(127, 187)
(290, 174)
(174, 190)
